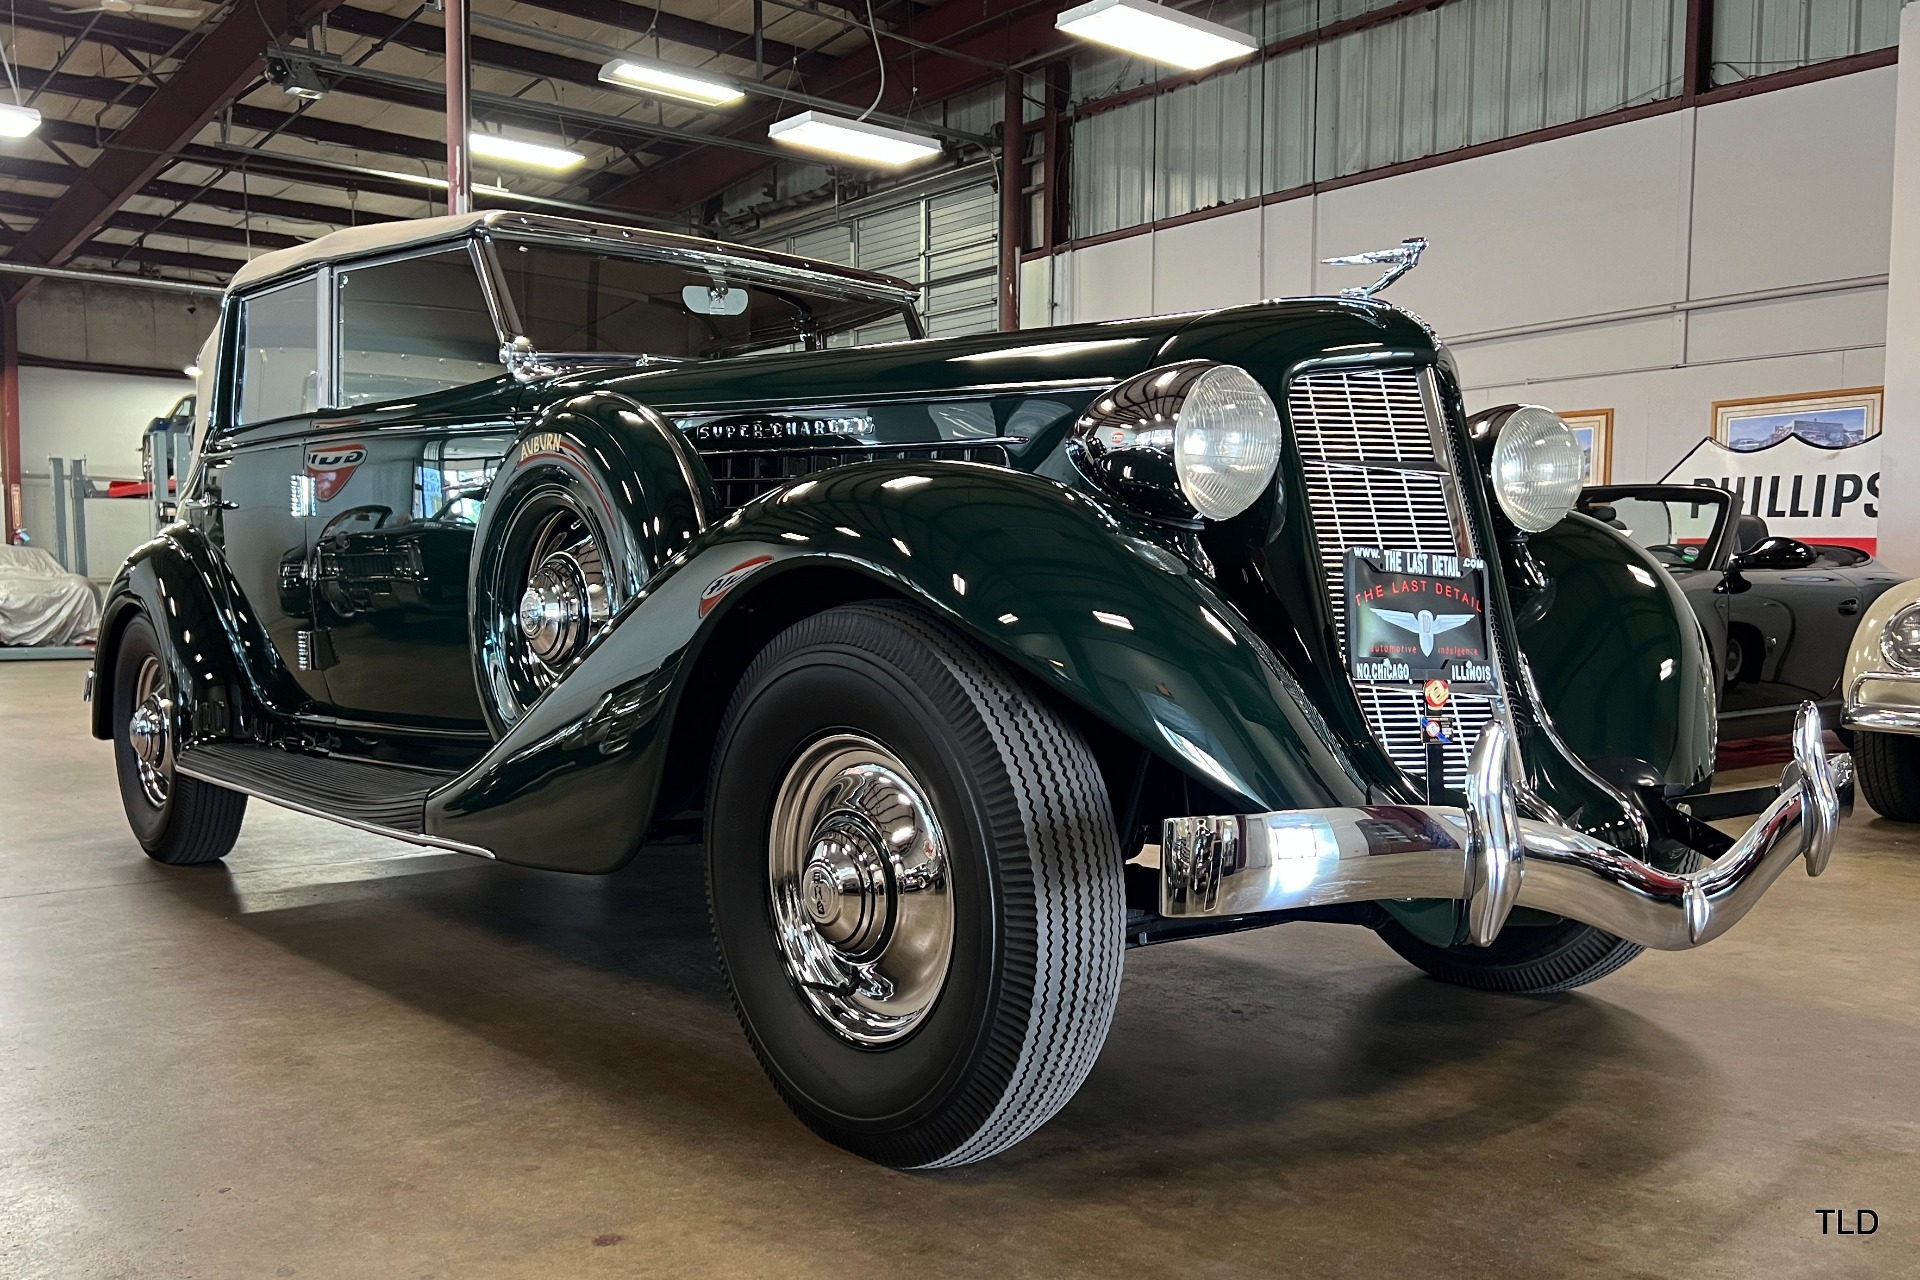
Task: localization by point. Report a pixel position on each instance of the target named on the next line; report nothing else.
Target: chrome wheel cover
(150, 731)
(565, 599)
(862, 903)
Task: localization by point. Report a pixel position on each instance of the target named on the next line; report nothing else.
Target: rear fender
(1086, 601)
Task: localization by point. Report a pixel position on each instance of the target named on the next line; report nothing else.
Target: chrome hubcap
(150, 731)
(862, 905)
(565, 600)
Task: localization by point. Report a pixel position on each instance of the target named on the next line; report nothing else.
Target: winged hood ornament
(1398, 260)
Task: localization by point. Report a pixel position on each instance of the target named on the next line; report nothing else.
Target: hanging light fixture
(854, 139)
(517, 151)
(666, 81)
(17, 121)
(1156, 32)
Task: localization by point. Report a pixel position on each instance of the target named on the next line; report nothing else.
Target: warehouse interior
(1678, 232)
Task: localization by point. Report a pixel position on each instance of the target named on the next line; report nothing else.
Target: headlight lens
(1226, 442)
(1901, 640)
(1538, 468)
(1182, 441)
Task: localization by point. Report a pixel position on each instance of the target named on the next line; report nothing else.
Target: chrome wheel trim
(565, 598)
(862, 903)
(150, 731)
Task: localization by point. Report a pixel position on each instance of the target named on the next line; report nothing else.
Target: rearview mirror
(714, 300)
(1775, 553)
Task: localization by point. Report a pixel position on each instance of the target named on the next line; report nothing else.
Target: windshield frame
(1718, 543)
(525, 361)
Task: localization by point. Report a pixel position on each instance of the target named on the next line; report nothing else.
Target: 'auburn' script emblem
(331, 465)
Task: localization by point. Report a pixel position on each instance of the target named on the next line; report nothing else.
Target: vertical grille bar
(1373, 480)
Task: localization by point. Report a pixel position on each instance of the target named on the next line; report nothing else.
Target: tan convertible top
(391, 237)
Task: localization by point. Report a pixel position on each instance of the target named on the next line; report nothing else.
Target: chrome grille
(1373, 480)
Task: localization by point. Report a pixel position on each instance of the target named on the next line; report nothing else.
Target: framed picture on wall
(1594, 429)
(1824, 419)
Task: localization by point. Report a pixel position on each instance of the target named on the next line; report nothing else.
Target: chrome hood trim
(1490, 858)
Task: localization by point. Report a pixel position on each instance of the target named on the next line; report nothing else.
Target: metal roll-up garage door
(946, 240)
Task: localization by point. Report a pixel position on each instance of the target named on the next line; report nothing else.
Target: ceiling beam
(20, 204)
(106, 251)
(304, 125)
(220, 68)
(324, 215)
(1006, 32)
(637, 20)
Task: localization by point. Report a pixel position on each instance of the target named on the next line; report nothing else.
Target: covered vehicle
(43, 604)
(976, 660)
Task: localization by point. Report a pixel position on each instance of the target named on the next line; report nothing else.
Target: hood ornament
(1398, 260)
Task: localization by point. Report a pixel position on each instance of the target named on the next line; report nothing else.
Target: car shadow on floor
(1220, 1051)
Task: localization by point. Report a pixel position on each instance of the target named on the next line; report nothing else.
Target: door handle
(1849, 607)
(207, 504)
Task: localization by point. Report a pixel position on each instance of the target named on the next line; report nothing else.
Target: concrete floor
(336, 1056)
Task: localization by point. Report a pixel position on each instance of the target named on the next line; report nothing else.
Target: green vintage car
(977, 660)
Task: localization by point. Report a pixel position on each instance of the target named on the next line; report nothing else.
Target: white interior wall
(1672, 220)
(1900, 453)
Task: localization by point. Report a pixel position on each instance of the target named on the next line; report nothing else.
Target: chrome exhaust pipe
(1491, 859)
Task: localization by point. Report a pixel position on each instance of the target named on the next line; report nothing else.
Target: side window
(413, 327)
(279, 353)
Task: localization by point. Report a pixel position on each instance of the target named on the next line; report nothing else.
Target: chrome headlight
(1184, 441)
(1537, 464)
(1900, 642)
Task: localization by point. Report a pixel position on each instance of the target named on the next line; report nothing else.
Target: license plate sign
(1414, 616)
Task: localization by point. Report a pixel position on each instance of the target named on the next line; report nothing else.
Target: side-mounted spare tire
(581, 513)
(916, 887)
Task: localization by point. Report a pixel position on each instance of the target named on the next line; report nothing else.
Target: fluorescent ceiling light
(854, 139)
(1154, 31)
(535, 155)
(670, 82)
(18, 122)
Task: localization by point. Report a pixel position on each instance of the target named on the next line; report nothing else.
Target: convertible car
(976, 660)
(1779, 614)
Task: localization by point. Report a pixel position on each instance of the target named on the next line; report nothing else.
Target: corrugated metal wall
(1467, 72)
(1755, 37)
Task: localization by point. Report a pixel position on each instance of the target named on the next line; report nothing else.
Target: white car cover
(43, 604)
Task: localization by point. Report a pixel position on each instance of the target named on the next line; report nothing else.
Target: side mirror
(1775, 553)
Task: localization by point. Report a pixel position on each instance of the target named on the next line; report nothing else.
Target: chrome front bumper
(1490, 858)
(1857, 713)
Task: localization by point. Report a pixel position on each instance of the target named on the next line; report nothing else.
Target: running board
(382, 798)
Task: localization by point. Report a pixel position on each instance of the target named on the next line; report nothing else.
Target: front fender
(1084, 599)
(181, 584)
(1618, 655)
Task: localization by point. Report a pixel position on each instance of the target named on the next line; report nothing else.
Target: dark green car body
(759, 489)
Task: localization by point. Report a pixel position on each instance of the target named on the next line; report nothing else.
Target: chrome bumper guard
(1489, 857)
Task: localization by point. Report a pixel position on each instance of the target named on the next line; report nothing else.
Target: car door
(401, 467)
(1805, 617)
(249, 496)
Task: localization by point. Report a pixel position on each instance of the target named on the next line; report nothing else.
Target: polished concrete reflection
(336, 1056)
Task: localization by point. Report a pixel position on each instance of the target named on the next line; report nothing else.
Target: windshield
(577, 301)
(1677, 533)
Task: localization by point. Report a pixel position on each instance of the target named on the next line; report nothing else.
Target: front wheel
(178, 820)
(1529, 957)
(916, 888)
(1888, 767)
